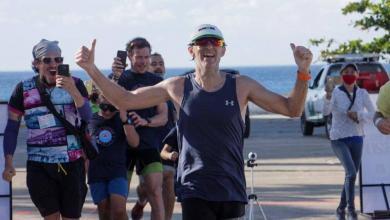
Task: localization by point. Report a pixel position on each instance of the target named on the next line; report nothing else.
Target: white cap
(206, 30)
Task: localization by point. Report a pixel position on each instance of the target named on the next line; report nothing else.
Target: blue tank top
(210, 127)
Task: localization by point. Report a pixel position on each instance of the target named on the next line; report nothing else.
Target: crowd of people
(183, 136)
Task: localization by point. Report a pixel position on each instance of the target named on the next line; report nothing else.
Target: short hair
(34, 68)
(138, 43)
(155, 54)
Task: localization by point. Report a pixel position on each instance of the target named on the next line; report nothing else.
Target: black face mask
(105, 107)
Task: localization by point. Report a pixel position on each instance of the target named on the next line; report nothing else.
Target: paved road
(297, 177)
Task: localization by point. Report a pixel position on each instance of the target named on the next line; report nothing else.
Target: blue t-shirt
(110, 138)
(164, 130)
(171, 140)
(149, 137)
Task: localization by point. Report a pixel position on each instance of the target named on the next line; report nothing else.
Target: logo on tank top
(229, 103)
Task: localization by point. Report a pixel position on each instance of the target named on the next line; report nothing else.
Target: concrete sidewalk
(297, 177)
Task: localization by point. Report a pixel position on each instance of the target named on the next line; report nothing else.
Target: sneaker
(340, 214)
(138, 211)
(352, 215)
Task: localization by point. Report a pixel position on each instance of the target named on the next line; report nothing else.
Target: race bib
(46, 121)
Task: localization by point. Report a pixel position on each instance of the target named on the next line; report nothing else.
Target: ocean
(279, 79)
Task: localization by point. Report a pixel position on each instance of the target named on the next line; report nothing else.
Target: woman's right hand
(8, 173)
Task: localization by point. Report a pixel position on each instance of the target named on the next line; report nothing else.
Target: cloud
(257, 31)
(137, 12)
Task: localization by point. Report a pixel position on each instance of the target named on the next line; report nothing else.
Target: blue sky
(258, 32)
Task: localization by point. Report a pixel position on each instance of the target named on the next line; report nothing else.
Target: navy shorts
(102, 190)
(194, 209)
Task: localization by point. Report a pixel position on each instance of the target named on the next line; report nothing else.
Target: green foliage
(376, 16)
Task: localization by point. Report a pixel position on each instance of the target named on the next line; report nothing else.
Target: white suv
(372, 75)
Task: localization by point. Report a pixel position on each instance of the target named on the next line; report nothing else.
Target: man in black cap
(55, 164)
(211, 105)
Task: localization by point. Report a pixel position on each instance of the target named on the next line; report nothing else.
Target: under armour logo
(227, 102)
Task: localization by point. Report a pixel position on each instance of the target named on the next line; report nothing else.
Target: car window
(334, 70)
(371, 76)
(370, 67)
(317, 80)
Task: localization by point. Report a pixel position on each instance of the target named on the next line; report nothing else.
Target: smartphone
(123, 55)
(129, 119)
(63, 70)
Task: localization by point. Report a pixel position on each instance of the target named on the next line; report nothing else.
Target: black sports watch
(127, 122)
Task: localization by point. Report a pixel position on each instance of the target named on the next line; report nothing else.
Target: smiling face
(157, 65)
(207, 52)
(140, 59)
(47, 66)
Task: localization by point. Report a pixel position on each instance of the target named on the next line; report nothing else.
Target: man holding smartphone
(55, 164)
(147, 122)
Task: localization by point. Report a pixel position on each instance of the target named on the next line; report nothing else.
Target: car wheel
(306, 127)
(328, 125)
(247, 130)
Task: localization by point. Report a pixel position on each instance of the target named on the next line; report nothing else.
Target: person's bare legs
(57, 216)
(153, 187)
(137, 210)
(63, 218)
(54, 216)
(118, 207)
(104, 209)
(168, 193)
(141, 192)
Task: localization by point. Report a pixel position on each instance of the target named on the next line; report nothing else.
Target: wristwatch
(127, 122)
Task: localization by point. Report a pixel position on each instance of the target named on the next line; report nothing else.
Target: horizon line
(188, 67)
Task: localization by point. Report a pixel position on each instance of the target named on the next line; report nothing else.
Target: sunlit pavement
(297, 177)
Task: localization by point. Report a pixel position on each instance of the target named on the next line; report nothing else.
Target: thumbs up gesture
(85, 57)
(303, 57)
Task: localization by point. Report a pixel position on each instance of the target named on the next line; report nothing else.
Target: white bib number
(46, 121)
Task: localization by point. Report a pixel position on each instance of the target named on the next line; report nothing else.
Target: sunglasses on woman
(48, 60)
(107, 107)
